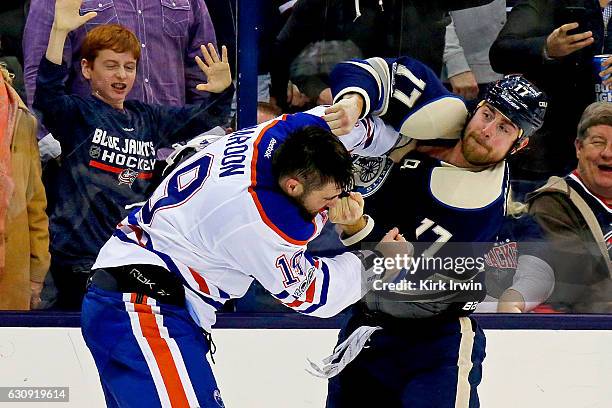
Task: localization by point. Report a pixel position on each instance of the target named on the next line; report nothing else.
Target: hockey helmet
(520, 101)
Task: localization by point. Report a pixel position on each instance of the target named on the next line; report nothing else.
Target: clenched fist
(348, 210)
(344, 114)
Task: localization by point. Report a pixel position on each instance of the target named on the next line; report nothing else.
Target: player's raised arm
(369, 137)
(370, 79)
(403, 91)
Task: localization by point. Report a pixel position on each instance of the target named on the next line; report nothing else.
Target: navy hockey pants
(418, 363)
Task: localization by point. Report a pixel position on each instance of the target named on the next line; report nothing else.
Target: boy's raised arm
(67, 18)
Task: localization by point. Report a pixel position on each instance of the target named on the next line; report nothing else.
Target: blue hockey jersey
(452, 215)
(405, 93)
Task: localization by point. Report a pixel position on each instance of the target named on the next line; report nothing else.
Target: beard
(476, 153)
(300, 201)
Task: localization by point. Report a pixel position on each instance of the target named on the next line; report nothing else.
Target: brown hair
(315, 155)
(109, 37)
(597, 113)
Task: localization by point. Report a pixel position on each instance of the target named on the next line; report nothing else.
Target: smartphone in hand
(575, 15)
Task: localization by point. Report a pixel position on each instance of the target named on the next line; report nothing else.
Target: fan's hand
(217, 70)
(67, 17)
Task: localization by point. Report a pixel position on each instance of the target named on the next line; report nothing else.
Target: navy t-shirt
(107, 160)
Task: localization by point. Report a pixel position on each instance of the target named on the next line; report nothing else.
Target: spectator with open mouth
(575, 211)
(109, 143)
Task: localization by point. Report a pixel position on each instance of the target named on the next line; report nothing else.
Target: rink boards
(532, 361)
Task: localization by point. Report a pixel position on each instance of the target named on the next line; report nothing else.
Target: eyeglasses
(597, 143)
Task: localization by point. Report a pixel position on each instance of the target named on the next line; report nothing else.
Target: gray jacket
(468, 39)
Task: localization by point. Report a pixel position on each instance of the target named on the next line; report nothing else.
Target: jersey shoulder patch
(370, 173)
(461, 188)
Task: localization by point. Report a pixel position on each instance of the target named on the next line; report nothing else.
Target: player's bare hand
(348, 210)
(67, 17)
(392, 236)
(560, 44)
(217, 70)
(606, 69)
(464, 85)
(344, 114)
(394, 245)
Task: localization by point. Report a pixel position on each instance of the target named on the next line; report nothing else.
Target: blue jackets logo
(370, 173)
(127, 176)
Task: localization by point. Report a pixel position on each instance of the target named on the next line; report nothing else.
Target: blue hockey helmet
(520, 101)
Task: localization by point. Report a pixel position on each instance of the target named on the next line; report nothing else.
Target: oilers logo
(127, 176)
(370, 173)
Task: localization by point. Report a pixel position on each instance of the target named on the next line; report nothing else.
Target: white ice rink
(265, 368)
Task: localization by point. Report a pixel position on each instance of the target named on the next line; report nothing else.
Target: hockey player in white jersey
(241, 209)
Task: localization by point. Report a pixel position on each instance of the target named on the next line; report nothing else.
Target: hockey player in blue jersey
(424, 350)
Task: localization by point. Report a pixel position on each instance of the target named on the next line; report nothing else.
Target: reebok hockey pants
(147, 354)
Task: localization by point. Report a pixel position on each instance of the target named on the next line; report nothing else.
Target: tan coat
(27, 226)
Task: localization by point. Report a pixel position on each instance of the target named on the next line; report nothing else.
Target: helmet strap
(518, 145)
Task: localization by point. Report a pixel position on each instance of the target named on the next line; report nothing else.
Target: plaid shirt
(606, 13)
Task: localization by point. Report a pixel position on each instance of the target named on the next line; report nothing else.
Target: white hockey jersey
(219, 220)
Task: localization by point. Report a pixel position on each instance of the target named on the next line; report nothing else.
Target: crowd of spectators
(564, 176)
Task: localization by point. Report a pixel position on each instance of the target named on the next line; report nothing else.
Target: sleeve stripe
(353, 239)
(295, 303)
(366, 98)
(206, 287)
(281, 295)
(323, 297)
(370, 70)
(207, 300)
(311, 292)
(381, 68)
(200, 281)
